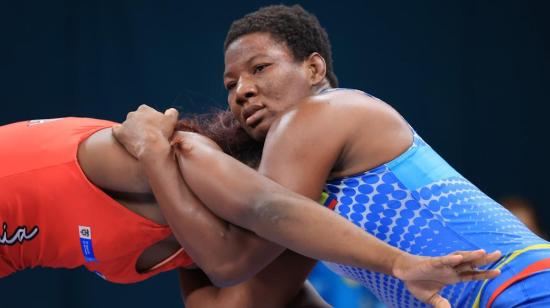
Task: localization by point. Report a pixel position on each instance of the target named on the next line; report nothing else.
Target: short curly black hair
(292, 25)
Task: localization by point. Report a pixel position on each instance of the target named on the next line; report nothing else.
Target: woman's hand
(184, 141)
(146, 131)
(424, 277)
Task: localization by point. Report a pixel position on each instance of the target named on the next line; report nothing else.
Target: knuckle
(172, 112)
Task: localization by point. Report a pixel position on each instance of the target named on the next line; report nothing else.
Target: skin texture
(110, 167)
(367, 131)
(120, 176)
(227, 253)
(277, 98)
(259, 204)
(247, 68)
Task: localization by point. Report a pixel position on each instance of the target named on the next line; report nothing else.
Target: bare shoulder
(355, 130)
(311, 137)
(336, 112)
(362, 111)
(351, 103)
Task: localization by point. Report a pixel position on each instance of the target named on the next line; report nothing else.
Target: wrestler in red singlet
(52, 216)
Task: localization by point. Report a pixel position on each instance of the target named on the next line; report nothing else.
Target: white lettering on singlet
(41, 121)
(19, 235)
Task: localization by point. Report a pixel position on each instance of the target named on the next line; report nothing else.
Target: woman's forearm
(228, 254)
(242, 196)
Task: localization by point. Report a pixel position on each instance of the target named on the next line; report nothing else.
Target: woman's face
(263, 80)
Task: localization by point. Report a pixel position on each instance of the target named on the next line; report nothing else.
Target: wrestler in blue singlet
(420, 204)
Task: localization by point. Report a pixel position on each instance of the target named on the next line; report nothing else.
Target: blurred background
(471, 76)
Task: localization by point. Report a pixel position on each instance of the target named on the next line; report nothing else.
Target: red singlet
(52, 216)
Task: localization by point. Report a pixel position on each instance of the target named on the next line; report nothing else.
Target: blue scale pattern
(444, 216)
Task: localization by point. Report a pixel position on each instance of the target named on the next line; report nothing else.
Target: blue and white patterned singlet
(420, 204)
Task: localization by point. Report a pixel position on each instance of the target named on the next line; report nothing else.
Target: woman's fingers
(448, 261)
(473, 261)
(487, 258)
(463, 265)
(479, 275)
(143, 107)
(438, 301)
(172, 113)
(479, 257)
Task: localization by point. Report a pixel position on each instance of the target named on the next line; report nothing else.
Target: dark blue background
(471, 76)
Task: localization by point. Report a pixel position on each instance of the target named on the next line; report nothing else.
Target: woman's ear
(317, 68)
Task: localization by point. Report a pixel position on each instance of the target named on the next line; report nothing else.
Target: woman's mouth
(252, 115)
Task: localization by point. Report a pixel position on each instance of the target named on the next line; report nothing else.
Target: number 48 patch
(85, 234)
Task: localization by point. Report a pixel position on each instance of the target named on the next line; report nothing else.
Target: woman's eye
(229, 86)
(259, 68)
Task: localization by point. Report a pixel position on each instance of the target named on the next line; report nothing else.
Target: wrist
(398, 263)
(154, 147)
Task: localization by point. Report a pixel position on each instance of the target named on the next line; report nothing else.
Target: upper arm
(107, 164)
(301, 149)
